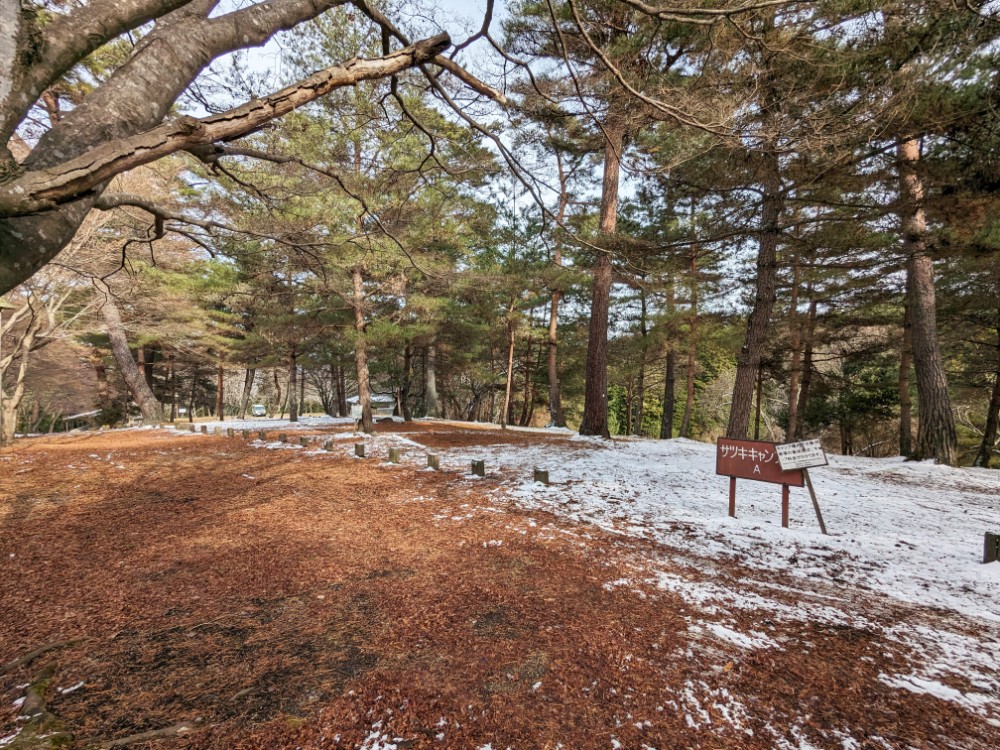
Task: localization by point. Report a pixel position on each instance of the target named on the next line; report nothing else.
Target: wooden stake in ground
(815, 502)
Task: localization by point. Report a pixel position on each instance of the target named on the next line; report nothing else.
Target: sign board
(802, 455)
(753, 459)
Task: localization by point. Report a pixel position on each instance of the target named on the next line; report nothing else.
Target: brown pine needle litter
(274, 599)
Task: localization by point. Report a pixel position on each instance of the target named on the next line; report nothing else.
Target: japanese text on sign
(753, 459)
(802, 455)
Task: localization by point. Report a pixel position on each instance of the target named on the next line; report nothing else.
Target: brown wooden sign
(753, 459)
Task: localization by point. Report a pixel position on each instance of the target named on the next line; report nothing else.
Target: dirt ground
(274, 599)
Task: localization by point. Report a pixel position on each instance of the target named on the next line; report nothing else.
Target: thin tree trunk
(133, 377)
(430, 382)
(692, 343)
(101, 373)
(936, 436)
(248, 379)
(640, 386)
(302, 390)
(173, 387)
(220, 394)
(556, 417)
(595, 405)
(670, 374)
(194, 386)
(905, 400)
(342, 391)
(795, 366)
(293, 389)
(361, 351)
(526, 401)
(807, 368)
(504, 414)
(277, 397)
(404, 391)
(750, 354)
(984, 455)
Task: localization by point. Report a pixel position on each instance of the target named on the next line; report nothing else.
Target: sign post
(804, 456)
(755, 459)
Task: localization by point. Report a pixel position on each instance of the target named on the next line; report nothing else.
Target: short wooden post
(991, 548)
(282, 437)
(541, 475)
(328, 445)
(784, 506)
(230, 432)
(394, 455)
(204, 430)
(192, 428)
(434, 461)
(359, 450)
(261, 435)
(216, 430)
(479, 468)
(304, 442)
(246, 434)
(732, 497)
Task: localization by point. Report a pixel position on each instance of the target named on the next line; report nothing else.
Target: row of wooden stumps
(395, 456)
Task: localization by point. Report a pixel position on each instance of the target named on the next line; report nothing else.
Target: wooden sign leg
(732, 497)
(784, 506)
(815, 502)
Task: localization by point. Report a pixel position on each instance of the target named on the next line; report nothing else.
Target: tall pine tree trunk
(134, 379)
(595, 404)
(361, 351)
(172, 360)
(936, 437)
(749, 358)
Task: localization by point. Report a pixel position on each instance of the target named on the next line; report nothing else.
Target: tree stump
(328, 445)
(479, 468)
(204, 430)
(541, 475)
(434, 461)
(246, 434)
(262, 436)
(394, 455)
(359, 450)
(282, 437)
(304, 442)
(230, 432)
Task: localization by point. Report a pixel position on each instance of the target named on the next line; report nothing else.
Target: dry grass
(291, 601)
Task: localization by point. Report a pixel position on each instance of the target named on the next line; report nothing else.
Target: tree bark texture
(765, 293)
(936, 436)
(430, 381)
(118, 125)
(595, 405)
(905, 401)
(133, 377)
(293, 390)
(984, 455)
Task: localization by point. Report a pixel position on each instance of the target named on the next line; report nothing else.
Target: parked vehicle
(258, 410)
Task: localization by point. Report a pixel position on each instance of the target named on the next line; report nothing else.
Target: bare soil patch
(275, 599)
